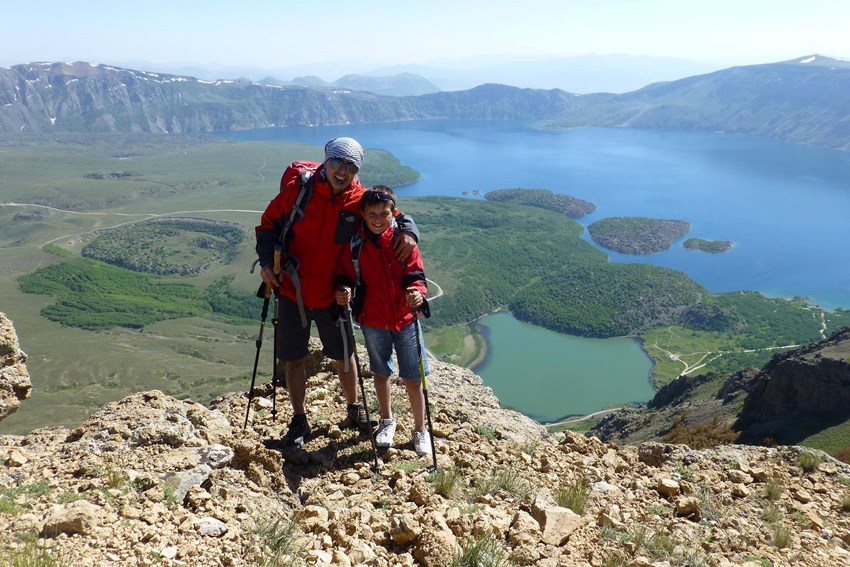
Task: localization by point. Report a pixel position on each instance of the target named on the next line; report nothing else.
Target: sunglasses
(345, 166)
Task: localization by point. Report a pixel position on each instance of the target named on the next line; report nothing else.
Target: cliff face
(151, 480)
(812, 381)
(15, 384)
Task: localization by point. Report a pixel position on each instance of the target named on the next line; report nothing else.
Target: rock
(668, 487)
(404, 529)
(688, 507)
(15, 385)
(80, 517)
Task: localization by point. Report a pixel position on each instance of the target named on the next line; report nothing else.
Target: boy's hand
(414, 297)
(403, 245)
(343, 295)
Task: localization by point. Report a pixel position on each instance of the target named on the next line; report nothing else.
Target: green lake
(549, 376)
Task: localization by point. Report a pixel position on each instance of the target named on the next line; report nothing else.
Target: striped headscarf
(345, 148)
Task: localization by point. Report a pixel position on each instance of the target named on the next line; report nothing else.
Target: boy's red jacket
(386, 279)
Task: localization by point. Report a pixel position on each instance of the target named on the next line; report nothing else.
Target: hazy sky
(374, 33)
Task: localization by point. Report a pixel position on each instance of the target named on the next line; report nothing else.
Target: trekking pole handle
(278, 250)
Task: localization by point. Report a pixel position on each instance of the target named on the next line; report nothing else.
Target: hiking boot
(299, 432)
(421, 442)
(356, 418)
(386, 430)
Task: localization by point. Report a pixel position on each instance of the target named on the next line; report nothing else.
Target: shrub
(507, 480)
(843, 455)
(773, 489)
(781, 535)
(280, 542)
(574, 495)
(809, 462)
(446, 481)
(700, 435)
(484, 551)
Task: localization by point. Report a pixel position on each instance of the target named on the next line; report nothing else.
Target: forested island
(637, 235)
(545, 199)
(711, 246)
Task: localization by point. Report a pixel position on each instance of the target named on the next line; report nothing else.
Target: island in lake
(637, 235)
(711, 246)
(544, 199)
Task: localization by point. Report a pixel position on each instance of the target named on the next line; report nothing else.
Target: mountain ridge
(794, 101)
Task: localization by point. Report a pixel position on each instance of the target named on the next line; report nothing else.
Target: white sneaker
(386, 430)
(421, 442)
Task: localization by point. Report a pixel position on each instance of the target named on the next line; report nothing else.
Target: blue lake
(786, 206)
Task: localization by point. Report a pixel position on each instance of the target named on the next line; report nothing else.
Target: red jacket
(317, 240)
(386, 279)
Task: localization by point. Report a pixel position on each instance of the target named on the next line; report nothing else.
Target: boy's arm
(413, 274)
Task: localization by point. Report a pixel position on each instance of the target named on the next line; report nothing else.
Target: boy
(393, 290)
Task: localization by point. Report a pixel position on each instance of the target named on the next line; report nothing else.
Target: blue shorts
(380, 343)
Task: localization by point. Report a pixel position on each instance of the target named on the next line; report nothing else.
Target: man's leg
(296, 384)
(348, 380)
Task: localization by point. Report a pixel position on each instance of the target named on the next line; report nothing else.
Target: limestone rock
(15, 385)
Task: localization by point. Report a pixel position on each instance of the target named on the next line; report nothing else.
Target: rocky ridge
(152, 480)
(15, 385)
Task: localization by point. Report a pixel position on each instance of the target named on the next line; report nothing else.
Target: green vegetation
(545, 273)
(699, 435)
(545, 199)
(169, 246)
(712, 246)
(94, 295)
(483, 551)
(29, 552)
(280, 542)
(637, 235)
(574, 495)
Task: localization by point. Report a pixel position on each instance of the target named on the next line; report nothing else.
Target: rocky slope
(797, 393)
(151, 480)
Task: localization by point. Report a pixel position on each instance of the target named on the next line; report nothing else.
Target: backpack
(303, 170)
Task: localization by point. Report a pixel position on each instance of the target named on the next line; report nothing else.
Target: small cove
(549, 376)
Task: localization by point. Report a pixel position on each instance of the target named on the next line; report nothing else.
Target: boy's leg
(417, 403)
(384, 394)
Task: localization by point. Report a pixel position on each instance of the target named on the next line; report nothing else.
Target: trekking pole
(422, 355)
(348, 338)
(265, 292)
(275, 321)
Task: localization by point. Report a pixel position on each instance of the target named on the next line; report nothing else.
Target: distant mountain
(404, 84)
(81, 97)
(587, 73)
(804, 100)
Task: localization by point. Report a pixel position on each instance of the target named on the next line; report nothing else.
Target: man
(313, 246)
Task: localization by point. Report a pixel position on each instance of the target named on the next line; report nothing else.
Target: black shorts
(293, 339)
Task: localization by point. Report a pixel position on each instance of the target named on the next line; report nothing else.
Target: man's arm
(408, 235)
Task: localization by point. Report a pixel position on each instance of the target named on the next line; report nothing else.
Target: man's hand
(343, 295)
(267, 273)
(404, 245)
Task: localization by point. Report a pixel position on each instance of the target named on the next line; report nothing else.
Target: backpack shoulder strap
(305, 179)
(356, 247)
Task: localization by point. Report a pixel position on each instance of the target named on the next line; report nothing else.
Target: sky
(367, 34)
